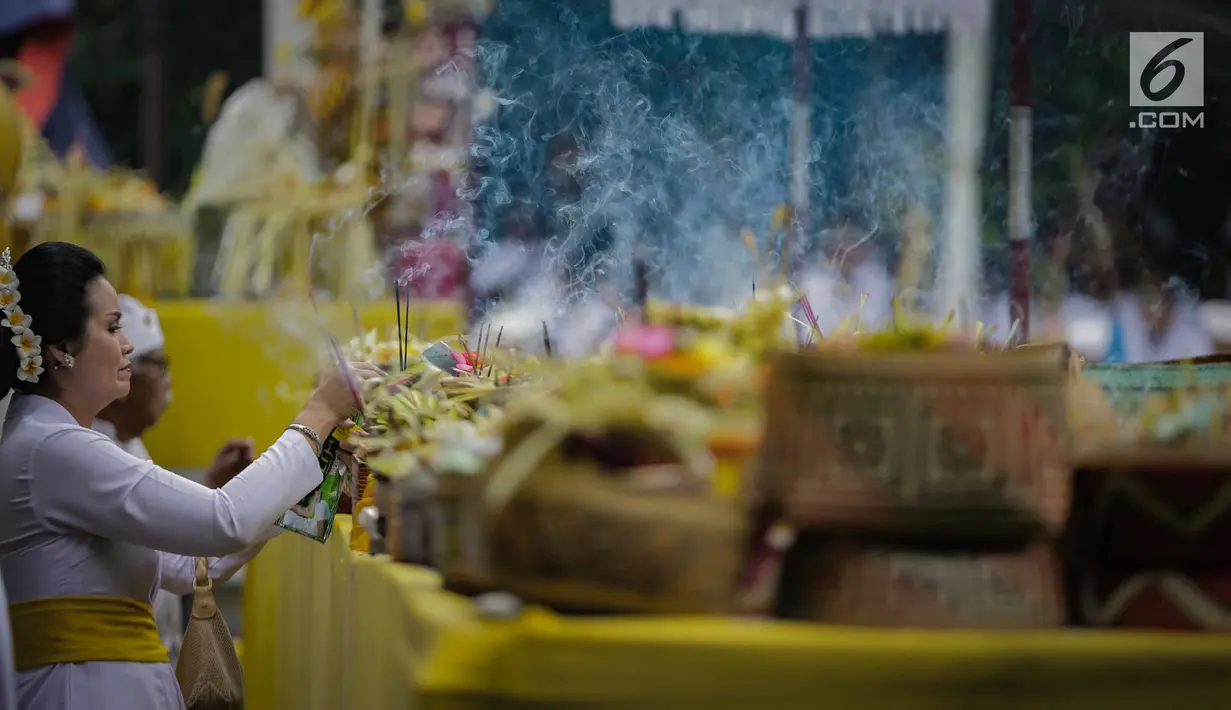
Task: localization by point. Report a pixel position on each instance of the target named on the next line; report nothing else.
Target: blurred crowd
(1107, 288)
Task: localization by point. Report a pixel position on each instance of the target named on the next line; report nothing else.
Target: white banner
(826, 18)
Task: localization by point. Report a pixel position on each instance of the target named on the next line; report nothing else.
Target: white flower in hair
(9, 299)
(8, 278)
(17, 320)
(30, 369)
(28, 344)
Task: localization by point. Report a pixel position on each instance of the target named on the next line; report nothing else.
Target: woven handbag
(208, 670)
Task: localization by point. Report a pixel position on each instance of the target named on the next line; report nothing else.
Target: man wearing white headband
(125, 420)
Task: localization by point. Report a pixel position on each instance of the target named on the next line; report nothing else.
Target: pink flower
(465, 362)
(645, 341)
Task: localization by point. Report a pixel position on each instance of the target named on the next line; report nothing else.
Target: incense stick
(487, 346)
(806, 306)
(491, 368)
(397, 300)
(346, 373)
(641, 285)
(354, 314)
(546, 340)
(485, 336)
(1008, 339)
(406, 330)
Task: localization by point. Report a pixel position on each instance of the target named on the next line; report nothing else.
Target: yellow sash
(79, 629)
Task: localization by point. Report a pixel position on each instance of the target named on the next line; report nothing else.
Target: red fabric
(44, 54)
(1124, 531)
(1152, 608)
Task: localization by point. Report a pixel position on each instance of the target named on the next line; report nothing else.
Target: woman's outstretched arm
(84, 482)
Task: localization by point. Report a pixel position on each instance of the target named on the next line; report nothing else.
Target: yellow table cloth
(413, 645)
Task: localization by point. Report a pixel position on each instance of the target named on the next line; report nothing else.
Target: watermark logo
(1167, 73)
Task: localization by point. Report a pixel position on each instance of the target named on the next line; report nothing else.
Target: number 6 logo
(1166, 69)
(1157, 65)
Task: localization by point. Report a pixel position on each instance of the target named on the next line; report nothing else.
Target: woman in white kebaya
(89, 532)
(125, 420)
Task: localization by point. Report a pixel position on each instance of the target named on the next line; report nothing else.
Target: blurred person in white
(90, 532)
(1156, 316)
(125, 420)
(852, 285)
(1158, 319)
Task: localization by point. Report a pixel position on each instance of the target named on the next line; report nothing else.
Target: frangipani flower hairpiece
(29, 346)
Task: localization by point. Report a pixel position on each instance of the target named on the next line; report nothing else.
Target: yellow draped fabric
(360, 541)
(371, 633)
(80, 629)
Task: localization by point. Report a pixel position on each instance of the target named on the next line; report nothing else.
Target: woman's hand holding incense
(333, 401)
(353, 449)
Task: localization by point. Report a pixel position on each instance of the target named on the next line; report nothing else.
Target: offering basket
(1129, 387)
(575, 535)
(919, 444)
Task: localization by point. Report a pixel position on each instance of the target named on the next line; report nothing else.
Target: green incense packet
(313, 515)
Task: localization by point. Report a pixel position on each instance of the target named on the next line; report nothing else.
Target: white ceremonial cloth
(81, 517)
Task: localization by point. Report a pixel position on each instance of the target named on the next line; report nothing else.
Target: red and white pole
(1021, 159)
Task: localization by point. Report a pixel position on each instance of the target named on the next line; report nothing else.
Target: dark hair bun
(53, 280)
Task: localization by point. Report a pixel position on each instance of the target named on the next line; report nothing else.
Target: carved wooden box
(967, 444)
(844, 582)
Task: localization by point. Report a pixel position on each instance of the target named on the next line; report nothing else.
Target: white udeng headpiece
(141, 325)
(29, 346)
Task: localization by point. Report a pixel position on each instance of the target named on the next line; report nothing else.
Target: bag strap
(203, 604)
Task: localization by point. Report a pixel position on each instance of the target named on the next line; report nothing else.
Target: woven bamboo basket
(576, 536)
(951, 445)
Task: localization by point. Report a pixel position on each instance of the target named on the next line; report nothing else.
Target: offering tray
(1128, 387)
